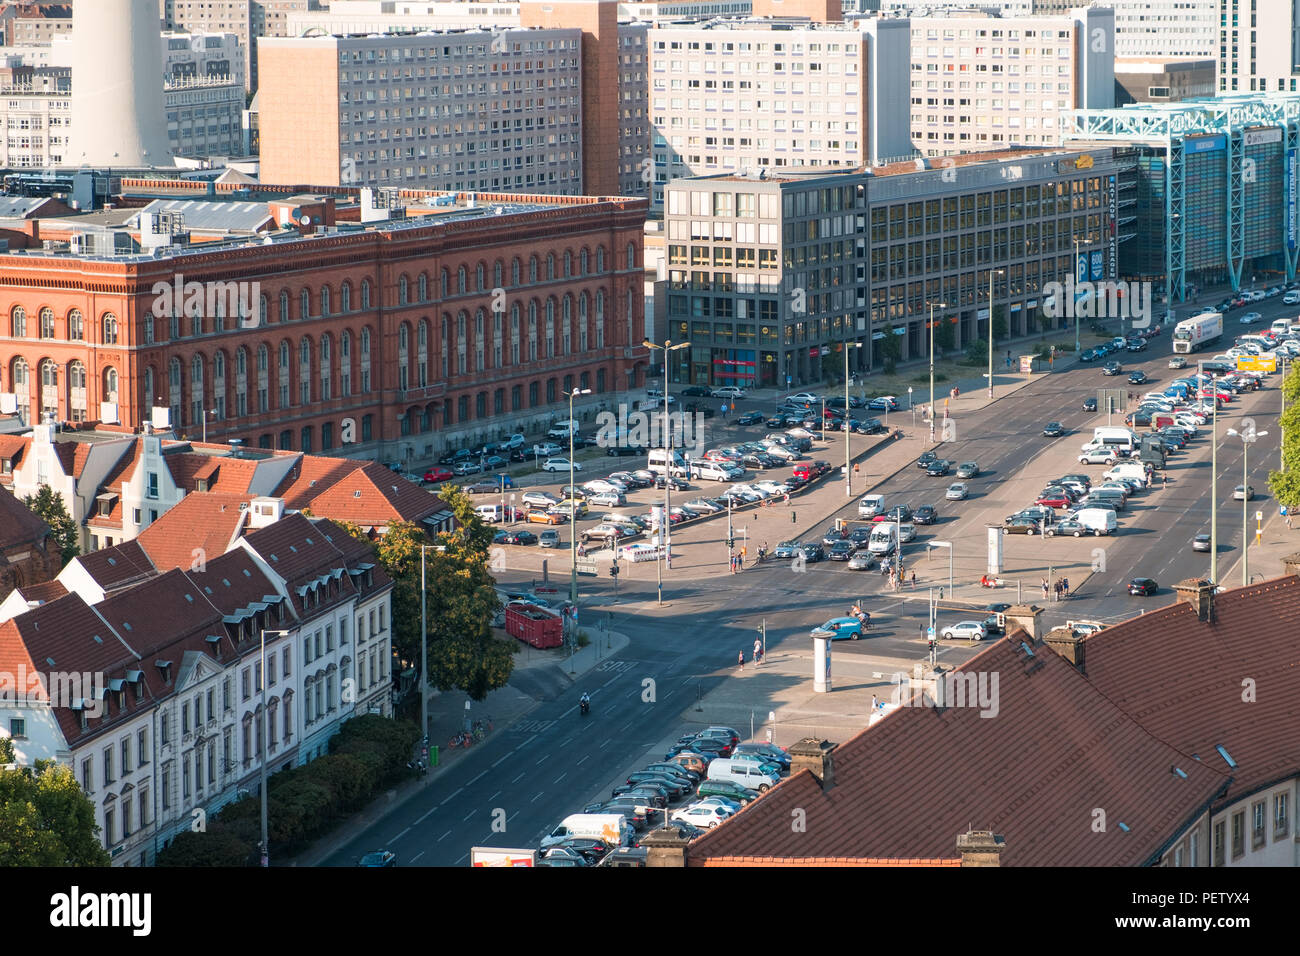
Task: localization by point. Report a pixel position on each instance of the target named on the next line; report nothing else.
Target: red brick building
(469, 320)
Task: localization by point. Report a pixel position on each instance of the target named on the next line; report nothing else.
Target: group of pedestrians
(758, 655)
(1059, 589)
(737, 562)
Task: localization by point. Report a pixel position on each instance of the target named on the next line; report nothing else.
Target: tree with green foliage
(46, 819)
(7, 754)
(216, 847)
(977, 351)
(49, 507)
(1285, 485)
(999, 322)
(891, 347)
(945, 335)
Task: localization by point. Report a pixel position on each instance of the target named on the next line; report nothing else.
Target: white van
(1281, 325)
(613, 828)
(1109, 432)
(1129, 469)
(657, 462)
(742, 774)
(1097, 520)
(489, 513)
(884, 539)
(710, 471)
(871, 505)
(563, 429)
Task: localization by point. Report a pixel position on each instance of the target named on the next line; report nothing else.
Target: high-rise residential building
(989, 82)
(1259, 46)
(34, 24)
(459, 110)
(771, 277)
(247, 19)
(738, 95)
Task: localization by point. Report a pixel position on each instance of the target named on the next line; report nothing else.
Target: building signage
(1205, 144)
(1257, 137)
(1083, 162)
(1112, 196)
(1098, 266)
(1290, 199)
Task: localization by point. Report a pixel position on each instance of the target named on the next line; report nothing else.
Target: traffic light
(613, 570)
(731, 543)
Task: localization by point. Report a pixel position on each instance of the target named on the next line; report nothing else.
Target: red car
(436, 475)
(1054, 500)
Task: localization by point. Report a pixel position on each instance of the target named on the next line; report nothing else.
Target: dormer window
(201, 484)
(165, 669)
(6, 466)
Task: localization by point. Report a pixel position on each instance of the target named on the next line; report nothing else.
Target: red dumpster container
(534, 625)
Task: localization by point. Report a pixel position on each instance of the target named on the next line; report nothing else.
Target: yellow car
(544, 517)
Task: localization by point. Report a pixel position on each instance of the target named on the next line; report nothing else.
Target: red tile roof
(72, 456)
(1056, 754)
(120, 566)
(203, 521)
(831, 861)
(1185, 680)
(310, 477)
(120, 472)
(19, 525)
(373, 496)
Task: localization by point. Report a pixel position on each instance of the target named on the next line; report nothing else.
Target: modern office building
(733, 96)
(467, 110)
(991, 82)
(1216, 186)
(1259, 45)
(1163, 80)
(769, 277)
(463, 321)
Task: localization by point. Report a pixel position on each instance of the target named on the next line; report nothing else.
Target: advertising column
(821, 664)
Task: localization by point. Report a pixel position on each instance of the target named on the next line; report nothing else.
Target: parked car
(704, 816)
(750, 418)
(436, 475)
(521, 537)
(560, 464)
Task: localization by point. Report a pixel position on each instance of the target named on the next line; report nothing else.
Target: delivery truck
(1199, 332)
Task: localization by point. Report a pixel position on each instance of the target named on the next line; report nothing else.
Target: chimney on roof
(1199, 593)
(980, 848)
(1067, 644)
(666, 846)
(1291, 564)
(815, 755)
(1026, 616)
(265, 512)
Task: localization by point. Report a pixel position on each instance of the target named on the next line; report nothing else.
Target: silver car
(862, 561)
(957, 491)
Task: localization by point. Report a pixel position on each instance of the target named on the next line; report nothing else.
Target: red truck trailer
(534, 625)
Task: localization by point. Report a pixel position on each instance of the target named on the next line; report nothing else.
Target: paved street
(677, 667)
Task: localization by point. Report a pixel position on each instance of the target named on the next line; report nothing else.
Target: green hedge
(367, 755)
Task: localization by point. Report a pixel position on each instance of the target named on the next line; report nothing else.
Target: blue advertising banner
(1205, 144)
(1081, 268)
(1098, 266)
(1290, 199)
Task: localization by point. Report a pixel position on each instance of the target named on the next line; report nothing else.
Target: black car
(757, 462)
(1111, 368)
(831, 535)
(1088, 355)
(1137, 377)
(896, 514)
(997, 608)
(623, 451)
(750, 418)
(1090, 404)
(813, 553)
(925, 515)
(872, 426)
(593, 851)
(679, 484)
(515, 537)
(842, 550)
(938, 467)
(1136, 345)
(1139, 418)
(861, 535)
(925, 459)
(776, 421)
(1053, 430)
(991, 626)
(1141, 587)
(696, 391)
(455, 457)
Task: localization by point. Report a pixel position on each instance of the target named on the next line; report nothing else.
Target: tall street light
(1248, 437)
(848, 432)
(948, 545)
(664, 525)
(573, 506)
(1281, 453)
(266, 845)
(424, 649)
(206, 413)
(992, 273)
(942, 305)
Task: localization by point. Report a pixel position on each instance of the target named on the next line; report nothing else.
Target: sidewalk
(1276, 543)
(550, 669)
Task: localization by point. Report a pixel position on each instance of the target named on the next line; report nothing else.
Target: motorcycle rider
(585, 702)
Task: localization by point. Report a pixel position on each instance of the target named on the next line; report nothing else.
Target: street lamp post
(848, 432)
(664, 542)
(266, 845)
(573, 513)
(1214, 474)
(1281, 453)
(942, 305)
(1248, 437)
(992, 273)
(846, 411)
(206, 413)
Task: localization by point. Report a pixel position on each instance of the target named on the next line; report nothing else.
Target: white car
(1243, 493)
(800, 397)
(957, 491)
(729, 391)
(560, 464)
(539, 499)
(771, 487)
(1250, 317)
(964, 631)
(1097, 456)
(704, 816)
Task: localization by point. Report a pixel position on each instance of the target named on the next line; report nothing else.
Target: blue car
(839, 629)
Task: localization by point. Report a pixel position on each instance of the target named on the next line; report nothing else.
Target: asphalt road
(512, 788)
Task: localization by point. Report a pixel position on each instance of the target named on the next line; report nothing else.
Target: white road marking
(444, 836)
(538, 797)
(453, 796)
(494, 796)
(561, 776)
(402, 834)
(477, 779)
(579, 763)
(503, 760)
(465, 819)
(517, 779)
(423, 818)
(542, 761)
